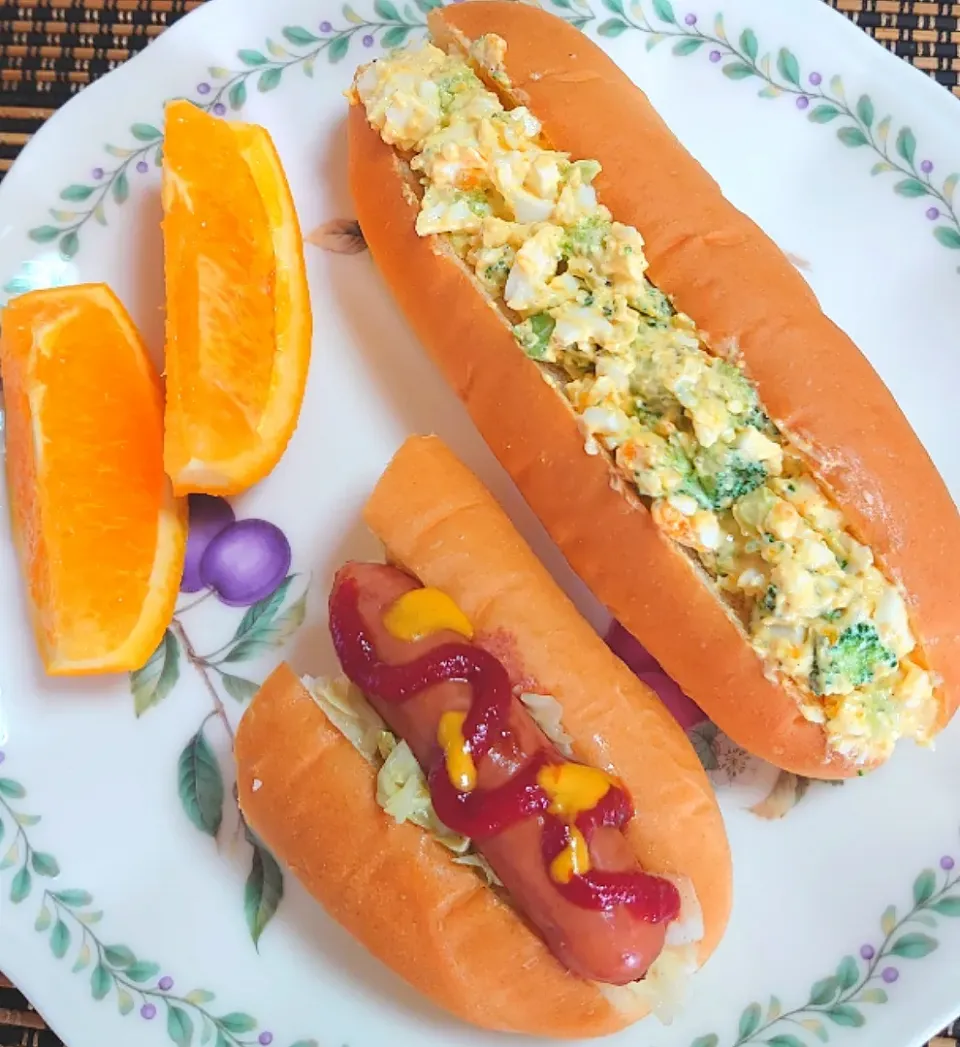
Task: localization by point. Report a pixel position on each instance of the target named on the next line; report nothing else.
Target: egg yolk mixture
(683, 425)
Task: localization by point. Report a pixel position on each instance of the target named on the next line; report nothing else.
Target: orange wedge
(100, 536)
(238, 305)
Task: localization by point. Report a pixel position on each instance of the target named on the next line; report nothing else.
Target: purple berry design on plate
(690, 19)
(867, 952)
(933, 213)
(926, 166)
(890, 975)
(246, 562)
(265, 1038)
(203, 89)
(165, 984)
(143, 166)
(97, 173)
(368, 41)
(148, 1011)
(208, 517)
(803, 102)
(816, 79)
(715, 56)
(947, 863)
(219, 109)
(325, 27)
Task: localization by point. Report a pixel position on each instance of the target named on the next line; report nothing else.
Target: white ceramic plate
(130, 899)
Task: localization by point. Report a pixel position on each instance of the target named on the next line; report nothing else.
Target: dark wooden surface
(51, 49)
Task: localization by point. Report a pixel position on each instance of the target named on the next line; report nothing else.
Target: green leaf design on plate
(926, 918)
(949, 187)
(688, 46)
(21, 886)
(738, 70)
(664, 11)
(100, 981)
(119, 956)
(774, 1009)
(44, 234)
(395, 36)
(151, 684)
(44, 919)
(749, 45)
(60, 939)
(386, 10)
(277, 50)
(750, 1021)
(338, 48)
(710, 1040)
(788, 66)
(146, 132)
(852, 137)
(612, 27)
(252, 58)
(179, 1026)
(298, 36)
(823, 114)
(11, 857)
(73, 899)
(69, 245)
(824, 991)
(237, 95)
(947, 906)
(44, 864)
(865, 111)
(770, 91)
(269, 79)
(426, 6)
(872, 996)
(912, 187)
(784, 1040)
(848, 973)
(907, 144)
(26, 820)
(883, 130)
(914, 946)
(238, 688)
(121, 188)
(948, 237)
(263, 890)
(118, 151)
(200, 785)
(218, 72)
(845, 1014)
(142, 971)
(616, 6)
(76, 193)
(124, 1001)
(881, 167)
(237, 1022)
(12, 790)
(264, 627)
(701, 738)
(305, 1043)
(90, 918)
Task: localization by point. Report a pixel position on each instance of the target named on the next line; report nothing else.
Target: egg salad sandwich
(714, 457)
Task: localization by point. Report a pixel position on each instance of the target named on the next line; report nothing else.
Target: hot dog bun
(311, 797)
(721, 269)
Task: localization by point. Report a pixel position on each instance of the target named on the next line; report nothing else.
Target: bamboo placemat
(51, 49)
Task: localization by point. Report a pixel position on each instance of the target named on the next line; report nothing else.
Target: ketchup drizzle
(483, 813)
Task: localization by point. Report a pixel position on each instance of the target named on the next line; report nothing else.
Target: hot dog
(601, 867)
(663, 388)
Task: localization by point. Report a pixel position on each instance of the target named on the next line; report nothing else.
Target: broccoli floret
(691, 485)
(586, 236)
(534, 335)
(455, 84)
(769, 601)
(854, 657)
(476, 200)
(727, 476)
(653, 304)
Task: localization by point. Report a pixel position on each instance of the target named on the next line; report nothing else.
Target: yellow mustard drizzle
(573, 860)
(422, 612)
(573, 789)
(460, 766)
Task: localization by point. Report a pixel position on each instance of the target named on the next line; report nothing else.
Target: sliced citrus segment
(238, 305)
(99, 533)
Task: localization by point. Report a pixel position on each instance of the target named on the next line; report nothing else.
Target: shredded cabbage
(548, 713)
(402, 789)
(664, 987)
